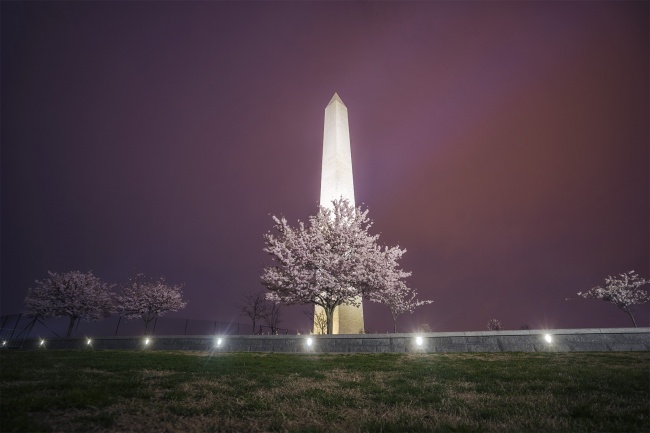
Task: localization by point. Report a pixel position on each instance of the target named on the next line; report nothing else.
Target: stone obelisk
(336, 182)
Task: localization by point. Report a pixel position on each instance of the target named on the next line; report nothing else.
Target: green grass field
(184, 391)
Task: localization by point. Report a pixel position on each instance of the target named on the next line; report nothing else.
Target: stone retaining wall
(561, 340)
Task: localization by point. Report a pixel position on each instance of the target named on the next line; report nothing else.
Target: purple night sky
(505, 145)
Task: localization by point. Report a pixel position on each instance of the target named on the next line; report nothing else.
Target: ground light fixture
(146, 341)
(548, 338)
(218, 342)
(89, 341)
(42, 343)
(4, 342)
(309, 341)
(419, 341)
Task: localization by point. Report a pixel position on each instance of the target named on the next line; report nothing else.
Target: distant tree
(272, 317)
(494, 325)
(399, 299)
(319, 321)
(524, 327)
(147, 299)
(254, 305)
(77, 295)
(332, 261)
(424, 327)
(623, 291)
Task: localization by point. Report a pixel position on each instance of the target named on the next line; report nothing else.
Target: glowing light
(89, 341)
(548, 338)
(4, 342)
(309, 341)
(41, 343)
(219, 341)
(146, 341)
(418, 340)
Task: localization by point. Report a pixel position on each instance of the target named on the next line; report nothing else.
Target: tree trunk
(329, 314)
(146, 326)
(394, 315)
(631, 317)
(253, 326)
(72, 320)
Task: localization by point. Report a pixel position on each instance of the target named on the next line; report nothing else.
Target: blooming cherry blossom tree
(77, 295)
(147, 299)
(623, 291)
(400, 299)
(332, 261)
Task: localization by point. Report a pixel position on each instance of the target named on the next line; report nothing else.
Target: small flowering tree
(147, 299)
(623, 291)
(77, 295)
(332, 261)
(399, 299)
(494, 325)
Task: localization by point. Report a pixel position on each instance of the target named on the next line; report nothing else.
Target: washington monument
(336, 182)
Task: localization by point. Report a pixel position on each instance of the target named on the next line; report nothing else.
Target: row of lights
(309, 341)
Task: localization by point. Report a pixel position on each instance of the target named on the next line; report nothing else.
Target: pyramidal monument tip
(336, 98)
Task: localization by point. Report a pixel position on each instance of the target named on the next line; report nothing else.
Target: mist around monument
(332, 263)
(504, 145)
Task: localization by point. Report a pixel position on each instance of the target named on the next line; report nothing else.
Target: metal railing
(15, 328)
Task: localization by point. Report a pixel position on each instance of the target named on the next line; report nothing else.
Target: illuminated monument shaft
(336, 176)
(336, 182)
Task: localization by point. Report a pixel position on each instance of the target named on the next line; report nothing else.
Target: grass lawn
(199, 391)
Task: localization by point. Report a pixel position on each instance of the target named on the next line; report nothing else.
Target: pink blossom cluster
(331, 261)
(623, 291)
(83, 296)
(77, 295)
(147, 299)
